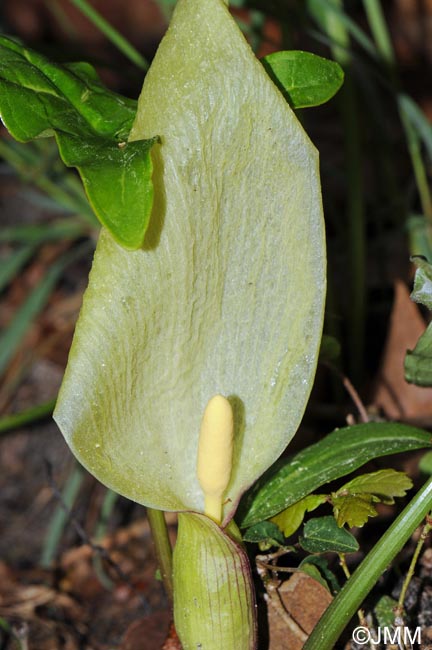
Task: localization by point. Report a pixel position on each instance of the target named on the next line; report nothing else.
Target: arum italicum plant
(194, 355)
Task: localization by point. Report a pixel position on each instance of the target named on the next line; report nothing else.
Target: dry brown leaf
(393, 395)
(149, 633)
(294, 608)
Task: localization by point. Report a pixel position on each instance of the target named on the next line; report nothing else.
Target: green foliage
(418, 362)
(91, 125)
(290, 519)
(354, 502)
(330, 348)
(422, 292)
(420, 235)
(337, 455)
(425, 464)
(385, 611)
(323, 534)
(383, 484)
(305, 79)
(353, 509)
(265, 533)
(313, 571)
(418, 121)
(320, 562)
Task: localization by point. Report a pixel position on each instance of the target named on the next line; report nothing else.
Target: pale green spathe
(214, 604)
(226, 296)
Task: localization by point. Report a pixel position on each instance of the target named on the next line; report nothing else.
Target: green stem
(425, 532)
(349, 599)
(163, 548)
(112, 34)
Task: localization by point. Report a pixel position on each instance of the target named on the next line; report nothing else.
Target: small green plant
(198, 340)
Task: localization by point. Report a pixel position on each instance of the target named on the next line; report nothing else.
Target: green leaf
(322, 565)
(266, 532)
(385, 611)
(418, 362)
(418, 120)
(236, 238)
(353, 509)
(420, 235)
(291, 519)
(305, 79)
(352, 503)
(313, 571)
(330, 348)
(323, 534)
(384, 484)
(422, 292)
(91, 124)
(425, 463)
(337, 455)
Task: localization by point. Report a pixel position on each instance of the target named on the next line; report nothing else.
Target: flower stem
(163, 548)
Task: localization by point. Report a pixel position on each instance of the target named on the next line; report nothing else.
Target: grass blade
(12, 337)
(14, 263)
(29, 416)
(112, 34)
(61, 515)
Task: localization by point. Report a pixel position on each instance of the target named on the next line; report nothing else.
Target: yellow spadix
(215, 449)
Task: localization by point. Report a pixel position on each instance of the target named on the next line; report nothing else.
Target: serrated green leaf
(91, 124)
(289, 520)
(385, 611)
(385, 484)
(305, 79)
(353, 510)
(337, 455)
(265, 531)
(323, 534)
(236, 238)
